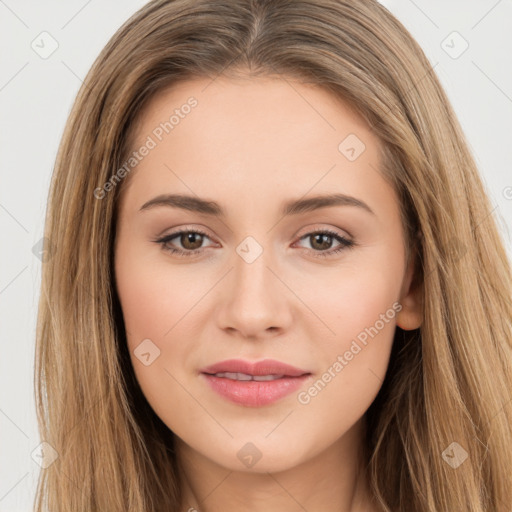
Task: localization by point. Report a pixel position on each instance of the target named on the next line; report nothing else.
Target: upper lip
(265, 367)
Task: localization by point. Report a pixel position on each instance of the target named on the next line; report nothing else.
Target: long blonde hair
(447, 382)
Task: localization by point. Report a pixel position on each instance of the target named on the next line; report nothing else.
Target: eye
(191, 241)
(322, 238)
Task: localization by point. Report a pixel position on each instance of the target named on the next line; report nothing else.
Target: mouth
(254, 384)
(245, 376)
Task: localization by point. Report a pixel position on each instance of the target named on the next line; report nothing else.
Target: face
(262, 271)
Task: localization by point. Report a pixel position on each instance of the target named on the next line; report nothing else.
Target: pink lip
(255, 393)
(265, 367)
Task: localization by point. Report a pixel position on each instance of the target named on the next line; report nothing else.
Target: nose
(255, 301)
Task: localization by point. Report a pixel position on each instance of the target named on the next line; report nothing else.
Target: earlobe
(411, 315)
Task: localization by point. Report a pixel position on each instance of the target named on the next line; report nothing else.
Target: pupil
(189, 238)
(320, 236)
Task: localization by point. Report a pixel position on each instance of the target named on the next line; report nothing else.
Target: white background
(36, 95)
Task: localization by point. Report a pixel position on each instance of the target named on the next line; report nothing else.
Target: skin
(251, 144)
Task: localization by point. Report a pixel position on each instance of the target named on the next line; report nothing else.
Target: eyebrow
(293, 207)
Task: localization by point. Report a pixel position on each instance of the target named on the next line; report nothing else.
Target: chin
(259, 457)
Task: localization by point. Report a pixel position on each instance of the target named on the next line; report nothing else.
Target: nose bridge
(252, 275)
(255, 301)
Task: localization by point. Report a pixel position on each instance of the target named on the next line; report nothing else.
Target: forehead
(254, 137)
(268, 103)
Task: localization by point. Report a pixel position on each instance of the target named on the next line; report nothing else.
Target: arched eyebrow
(291, 207)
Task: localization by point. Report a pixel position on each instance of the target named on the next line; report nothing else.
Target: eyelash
(345, 243)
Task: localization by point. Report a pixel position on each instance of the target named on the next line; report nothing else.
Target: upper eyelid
(316, 228)
(174, 234)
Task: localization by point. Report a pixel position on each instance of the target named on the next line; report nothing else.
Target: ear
(411, 315)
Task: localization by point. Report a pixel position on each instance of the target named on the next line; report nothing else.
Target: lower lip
(252, 393)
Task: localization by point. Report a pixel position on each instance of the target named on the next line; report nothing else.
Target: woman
(193, 353)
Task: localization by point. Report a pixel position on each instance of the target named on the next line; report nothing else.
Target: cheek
(360, 309)
(350, 364)
(152, 298)
(354, 299)
(158, 304)
(150, 310)
(367, 307)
